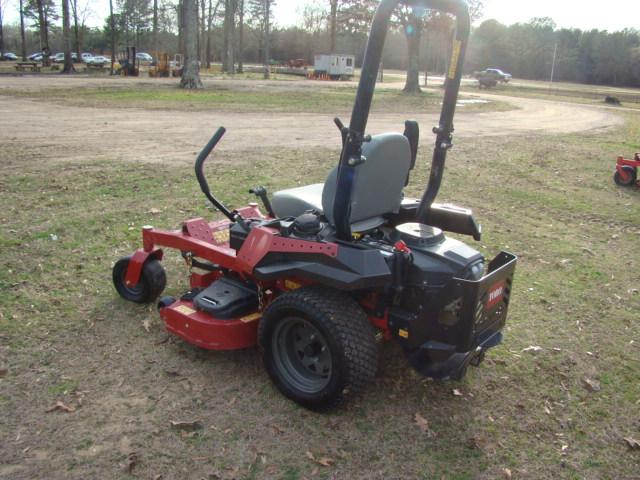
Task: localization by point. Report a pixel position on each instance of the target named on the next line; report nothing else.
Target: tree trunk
(202, 51)
(23, 43)
(333, 24)
(113, 35)
(76, 28)
(229, 33)
(267, 42)
(413, 32)
(240, 36)
(191, 70)
(156, 52)
(209, 24)
(181, 28)
(44, 34)
(66, 38)
(1, 32)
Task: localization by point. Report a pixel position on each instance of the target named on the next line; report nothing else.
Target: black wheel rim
(131, 292)
(301, 355)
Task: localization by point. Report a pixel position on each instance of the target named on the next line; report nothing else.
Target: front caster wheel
(153, 279)
(318, 346)
(627, 178)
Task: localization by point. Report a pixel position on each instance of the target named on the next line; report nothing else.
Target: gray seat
(377, 188)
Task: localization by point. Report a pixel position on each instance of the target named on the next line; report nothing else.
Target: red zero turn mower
(332, 266)
(626, 174)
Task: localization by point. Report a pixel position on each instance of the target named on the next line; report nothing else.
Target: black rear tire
(153, 279)
(631, 176)
(318, 347)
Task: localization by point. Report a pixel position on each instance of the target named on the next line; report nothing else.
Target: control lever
(261, 193)
(344, 131)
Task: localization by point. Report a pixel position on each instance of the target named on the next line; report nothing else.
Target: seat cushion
(295, 201)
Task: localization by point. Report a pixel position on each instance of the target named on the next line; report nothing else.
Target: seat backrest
(379, 181)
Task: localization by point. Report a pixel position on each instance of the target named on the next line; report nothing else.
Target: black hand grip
(204, 186)
(203, 155)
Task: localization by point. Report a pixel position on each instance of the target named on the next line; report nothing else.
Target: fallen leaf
(457, 393)
(507, 473)
(154, 211)
(187, 426)
(232, 401)
(3, 372)
(421, 422)
(132, 460)
(592, 385)
(532, 348)
(278, 428)
(324, 461)
(146, 324)
(62, 407)
(315, 471)
(632, 442)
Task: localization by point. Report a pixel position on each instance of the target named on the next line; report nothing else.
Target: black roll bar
(352, 148)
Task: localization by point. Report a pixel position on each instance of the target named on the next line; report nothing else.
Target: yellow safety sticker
(183, 309)
(251, 318)
(455, 56)
(403, 333)
(291, 285)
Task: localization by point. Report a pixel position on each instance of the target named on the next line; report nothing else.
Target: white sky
(612, 15)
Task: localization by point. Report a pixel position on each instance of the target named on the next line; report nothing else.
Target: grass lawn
(558, 411)
(251, 96)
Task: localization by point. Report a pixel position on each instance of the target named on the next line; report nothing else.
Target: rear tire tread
(347, 323)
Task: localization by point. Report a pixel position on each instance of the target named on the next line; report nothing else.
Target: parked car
(496, 74)
(86, 56)
(8, 56)
(144, 57)
(59, 57)
(34, 56)
(98, 60)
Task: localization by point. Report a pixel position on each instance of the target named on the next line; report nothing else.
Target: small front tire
(627, 178)
(318, 346)
(153, 279)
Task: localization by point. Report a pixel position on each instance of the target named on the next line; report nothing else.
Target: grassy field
(246, 97)
(560, 410)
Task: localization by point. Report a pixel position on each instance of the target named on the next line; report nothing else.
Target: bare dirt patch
(58, 132)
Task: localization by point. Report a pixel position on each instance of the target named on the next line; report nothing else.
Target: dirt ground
(79, 181)
(57, 132)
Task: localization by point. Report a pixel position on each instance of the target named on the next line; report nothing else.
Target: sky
(612, 15)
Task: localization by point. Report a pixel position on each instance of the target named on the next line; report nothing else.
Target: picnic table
(24, 66)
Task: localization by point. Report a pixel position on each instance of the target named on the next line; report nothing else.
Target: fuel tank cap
(418, 235)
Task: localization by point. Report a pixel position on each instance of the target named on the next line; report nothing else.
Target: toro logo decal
(495, 295)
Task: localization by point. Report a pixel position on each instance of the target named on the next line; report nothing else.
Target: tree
(23, 43)
(333, 24)
(240, 36)
(112, 25)
(80, 15)
(66, 33)
(230, 7)
(191, 70)
(411, 23)
(1, 31)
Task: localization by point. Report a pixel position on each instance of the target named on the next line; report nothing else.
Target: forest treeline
(235, 31)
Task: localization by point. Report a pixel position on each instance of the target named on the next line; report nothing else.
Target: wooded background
(234, 32)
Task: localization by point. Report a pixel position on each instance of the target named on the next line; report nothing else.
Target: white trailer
(336, 66)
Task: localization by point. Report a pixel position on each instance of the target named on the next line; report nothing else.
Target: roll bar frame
(351, 155)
